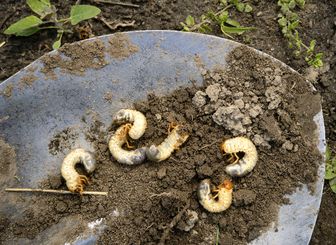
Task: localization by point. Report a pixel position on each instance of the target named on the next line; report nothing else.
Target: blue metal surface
(165, 61)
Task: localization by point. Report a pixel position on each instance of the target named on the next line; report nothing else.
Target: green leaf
(240, 7)
(285, 8)
(205, 28)
(311, 46)
(232, 22)
(185, 27)
(190, 21)
(328, 154)
(292, 4)
(224, 2)
(222, 18)
(300, 3)
(57, 44)
(235, 30)
(211, 15)
(40, 7)
(82, 12)
(248, 8)
(282, 21)
(332, 184)
(24, 27)
(293, 25)
(330, 162)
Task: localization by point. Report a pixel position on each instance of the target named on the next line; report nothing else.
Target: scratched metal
(164, 62)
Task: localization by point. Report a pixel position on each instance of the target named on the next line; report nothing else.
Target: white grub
(174, 140)
(74, 181)
(240, 166)
(218, 203)
(117, 140)
(136, 118)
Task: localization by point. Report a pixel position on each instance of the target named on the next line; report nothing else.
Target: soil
(318, 22)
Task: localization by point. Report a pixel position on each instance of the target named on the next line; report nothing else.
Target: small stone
(199, 99)
(158, 117)
(162, 172)
(288, 145)
(259, 13)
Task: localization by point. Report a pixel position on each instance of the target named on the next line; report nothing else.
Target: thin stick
(102, 193)
(118, 3)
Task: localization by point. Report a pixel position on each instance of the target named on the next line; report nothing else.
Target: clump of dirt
(121, 47)
(78, 58)
(8, 91)
(108, 96)
(7, 162)
(157, 202)
(63, 140)
(27, 80)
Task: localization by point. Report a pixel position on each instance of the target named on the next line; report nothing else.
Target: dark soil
(318, 22)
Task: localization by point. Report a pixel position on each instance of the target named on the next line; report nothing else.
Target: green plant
(221, 19)
(47, 19)
(330, 173)
(217, 235)
(289, 21)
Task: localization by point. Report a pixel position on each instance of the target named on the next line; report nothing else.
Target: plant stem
(196, 27)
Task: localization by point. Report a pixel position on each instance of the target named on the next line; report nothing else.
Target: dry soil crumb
(78, 57)
(62, 141)
(8, 91)
(144, 200)
(7, 162)
(27, 80)
(108, 96)
(121, 47)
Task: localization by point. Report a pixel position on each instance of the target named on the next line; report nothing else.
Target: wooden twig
(101, 193)
(173, 223)
(118, 3)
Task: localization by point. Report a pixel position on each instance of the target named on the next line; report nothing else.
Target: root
(166, 194)
(173, 223)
